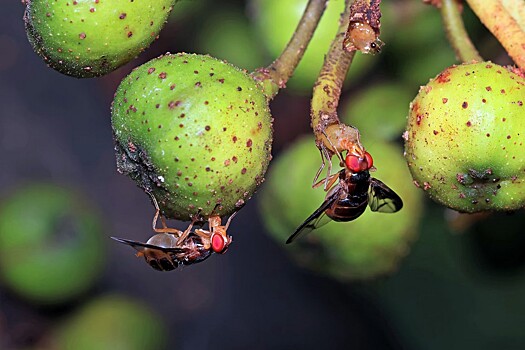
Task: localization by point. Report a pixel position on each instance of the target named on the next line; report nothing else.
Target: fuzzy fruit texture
(465, 140)
(89, 38)
(195, 131)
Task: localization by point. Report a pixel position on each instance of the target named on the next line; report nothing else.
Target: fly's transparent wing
(139, 245)
(316, 220)
(382, 198)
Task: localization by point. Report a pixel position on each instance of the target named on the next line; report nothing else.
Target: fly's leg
(185, 234)
(165, 228)
(329, 181)
(229, 221)
(205, 235)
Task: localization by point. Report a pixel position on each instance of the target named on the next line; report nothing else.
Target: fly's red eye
(356, 164)
(217, 243)
(353, 163)
(369, 160)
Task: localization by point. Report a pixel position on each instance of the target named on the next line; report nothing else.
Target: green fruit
(268, 13)
(89, 38)
(372, 245)
(379, 111)
(194, 131)
(465, 140)
(51, 244)
(111, 322)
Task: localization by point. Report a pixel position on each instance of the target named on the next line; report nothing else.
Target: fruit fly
(170, 248)
(351, 190)
(346, 138)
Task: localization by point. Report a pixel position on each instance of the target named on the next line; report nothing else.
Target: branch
(506, 21)
(456, 33)
(327, 91)
(276, 75)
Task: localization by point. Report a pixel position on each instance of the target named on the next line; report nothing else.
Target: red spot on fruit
(464, 104)
(419, 118)
(436, 132)
(445, 100)
(243, 171)
(488, 88)
(122, 15)
(151, 70)
(444, 77)
(508, 137)
(163, 75)
(488, 134)
(469, 123)
(82, 35)
(249, 143)
(130, 34)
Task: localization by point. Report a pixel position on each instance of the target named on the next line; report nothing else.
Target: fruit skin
(368, 247)
(51, 244)
(465, 141)
(195, 131)
(88, 38)
(111, 322)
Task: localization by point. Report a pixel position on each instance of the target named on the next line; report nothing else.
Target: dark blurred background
(453, 290)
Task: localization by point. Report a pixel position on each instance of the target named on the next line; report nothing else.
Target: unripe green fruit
(195, 131)
(51, 244)
(108, 323)
(465, 140)
(89, 38)
(374, 244)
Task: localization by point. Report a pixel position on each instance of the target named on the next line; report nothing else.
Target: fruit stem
(506, 21)
(456, 33)
(327, 89)
(276, 75)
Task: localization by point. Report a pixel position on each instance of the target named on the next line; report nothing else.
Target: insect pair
(170, 248)
(350, 190)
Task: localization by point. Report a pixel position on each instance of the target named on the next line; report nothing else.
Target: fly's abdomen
(347, 209)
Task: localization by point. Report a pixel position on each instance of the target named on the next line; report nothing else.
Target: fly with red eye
(170, 248)
(352, 189)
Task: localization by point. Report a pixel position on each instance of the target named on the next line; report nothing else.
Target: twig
(505, 20)
(456, 33)
(275, 76)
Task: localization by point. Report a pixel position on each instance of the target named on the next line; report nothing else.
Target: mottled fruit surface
(465, 139)
(194, 130)
(88, 38)
(370, 246)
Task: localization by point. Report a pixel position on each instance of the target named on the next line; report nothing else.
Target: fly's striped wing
(139, 245)
(382, 198)
(317, 219)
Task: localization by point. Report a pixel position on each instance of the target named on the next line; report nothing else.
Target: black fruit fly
(170, 248)
(351, 190)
